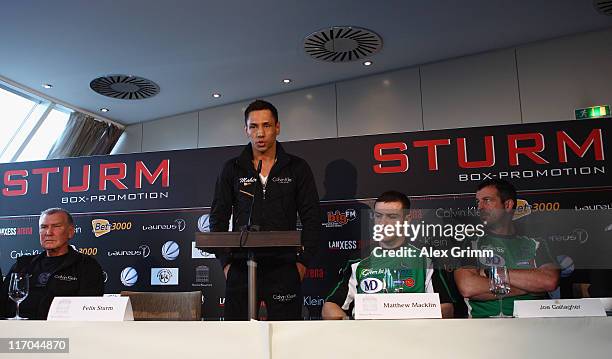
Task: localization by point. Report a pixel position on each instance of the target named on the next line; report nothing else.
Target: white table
(443, 338)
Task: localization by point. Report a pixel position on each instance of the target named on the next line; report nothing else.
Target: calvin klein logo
(282, 180)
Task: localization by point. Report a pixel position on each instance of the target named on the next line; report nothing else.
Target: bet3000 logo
(101, 227)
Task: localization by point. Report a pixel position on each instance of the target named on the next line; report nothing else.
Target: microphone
(253, 199)
(245, 229)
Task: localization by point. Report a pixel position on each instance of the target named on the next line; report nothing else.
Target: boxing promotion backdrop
(137, 213)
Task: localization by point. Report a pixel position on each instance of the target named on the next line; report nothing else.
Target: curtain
(85, 136)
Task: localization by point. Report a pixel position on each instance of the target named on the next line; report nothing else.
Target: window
(51, 129)
(14, 109)
(30, 125)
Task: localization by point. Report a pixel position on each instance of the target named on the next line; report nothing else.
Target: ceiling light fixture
(367, 63)
(47, 86)
(104, 109)
(286, 81)
(216, 95)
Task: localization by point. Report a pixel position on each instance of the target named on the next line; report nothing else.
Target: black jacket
(77, 275)
(290, 189)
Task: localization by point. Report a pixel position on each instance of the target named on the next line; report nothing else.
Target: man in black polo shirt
(58, 271)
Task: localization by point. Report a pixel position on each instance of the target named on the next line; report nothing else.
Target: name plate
(108, 309)
(555, 308)
(397, 306)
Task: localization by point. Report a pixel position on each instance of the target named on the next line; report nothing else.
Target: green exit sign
(592, 112)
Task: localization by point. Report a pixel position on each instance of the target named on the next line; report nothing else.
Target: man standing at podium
(266, 188)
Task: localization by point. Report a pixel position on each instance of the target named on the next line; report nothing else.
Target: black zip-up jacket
(290, 189)
(77, 275)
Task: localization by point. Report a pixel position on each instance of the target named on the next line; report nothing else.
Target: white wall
(471, 91)
(557, 77)
(538, 82)
(130, 141)
(389, 102)
(171, 133)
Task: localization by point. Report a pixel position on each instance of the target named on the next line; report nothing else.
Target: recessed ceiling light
(286, 81)
(47, 86)
(367, 63)
(216, 95)
(104, 109)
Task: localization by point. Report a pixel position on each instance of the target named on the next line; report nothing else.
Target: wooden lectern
(252, 241)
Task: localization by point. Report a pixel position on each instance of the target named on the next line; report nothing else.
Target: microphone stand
(251, 262)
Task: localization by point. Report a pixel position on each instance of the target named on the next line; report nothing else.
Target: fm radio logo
(336, 219)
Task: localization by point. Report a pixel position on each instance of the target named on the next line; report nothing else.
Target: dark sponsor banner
(537, 156)
(162, 180)
(137, 213)
(141, 251)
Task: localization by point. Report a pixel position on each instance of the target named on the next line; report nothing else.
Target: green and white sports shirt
(373, 275)
(514, 252)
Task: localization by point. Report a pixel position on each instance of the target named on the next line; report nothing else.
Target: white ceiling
(243, 49)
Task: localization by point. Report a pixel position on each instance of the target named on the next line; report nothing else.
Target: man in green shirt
(531, 271)
(378, 273)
